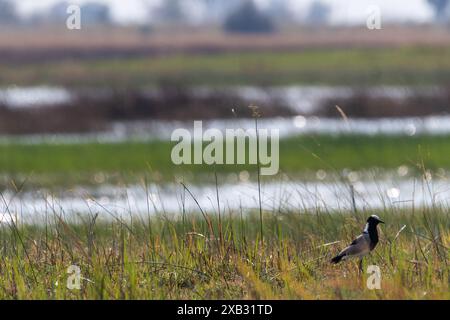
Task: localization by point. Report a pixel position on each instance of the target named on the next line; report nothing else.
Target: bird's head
(374, 219)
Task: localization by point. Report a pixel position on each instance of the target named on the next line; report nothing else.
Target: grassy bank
(79, 163)
(337, 66)
(195, 257)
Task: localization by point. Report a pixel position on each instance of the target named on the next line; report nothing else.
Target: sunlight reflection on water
(281, 196)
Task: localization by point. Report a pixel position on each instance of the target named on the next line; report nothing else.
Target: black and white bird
(364, 243)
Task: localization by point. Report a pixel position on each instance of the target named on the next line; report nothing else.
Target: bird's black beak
(381, 221)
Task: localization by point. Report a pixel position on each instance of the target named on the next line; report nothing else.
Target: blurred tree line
(441, 10)
(231, 15)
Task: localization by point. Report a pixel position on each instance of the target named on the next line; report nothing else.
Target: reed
(177, 257)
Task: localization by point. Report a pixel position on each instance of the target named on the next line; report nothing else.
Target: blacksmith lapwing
(364, 243)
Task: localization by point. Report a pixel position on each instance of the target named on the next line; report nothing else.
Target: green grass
(78, 163)
(195, 257)
(355, 66)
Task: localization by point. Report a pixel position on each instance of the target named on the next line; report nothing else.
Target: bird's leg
(361, 265)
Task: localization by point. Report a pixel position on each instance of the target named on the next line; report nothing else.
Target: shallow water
(112, 201)
(30, 97)
(136, 200)
(302, 99)
(299, 125)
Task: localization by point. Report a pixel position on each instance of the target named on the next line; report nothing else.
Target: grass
(67, 164)
(199, 257)
(227, 254)
(408, 65)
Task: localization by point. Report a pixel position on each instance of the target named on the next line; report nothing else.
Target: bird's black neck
(371, 229)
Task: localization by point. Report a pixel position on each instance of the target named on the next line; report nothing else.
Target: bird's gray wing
(360, 246)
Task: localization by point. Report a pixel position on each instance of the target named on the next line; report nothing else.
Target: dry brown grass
(156, 259)
(53, 42)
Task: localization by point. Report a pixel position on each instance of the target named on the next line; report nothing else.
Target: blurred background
(198, 59)
(96, 106)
